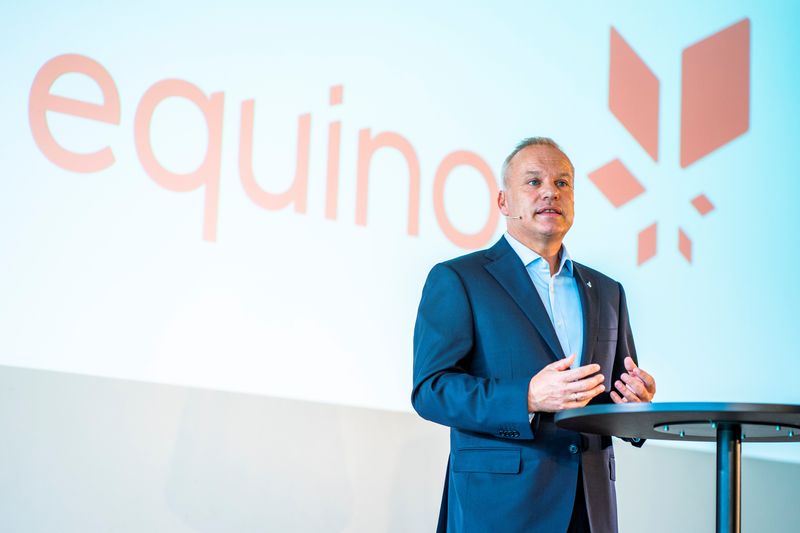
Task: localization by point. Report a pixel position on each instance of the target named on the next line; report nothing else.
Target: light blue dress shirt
(559, 295)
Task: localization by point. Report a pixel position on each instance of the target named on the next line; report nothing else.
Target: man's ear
(501, 202)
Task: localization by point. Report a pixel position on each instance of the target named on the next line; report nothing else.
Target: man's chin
(551, 231)
(543, 235)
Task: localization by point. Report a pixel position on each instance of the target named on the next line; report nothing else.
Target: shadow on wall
(103, 454)
(244, 465)
(426, 452)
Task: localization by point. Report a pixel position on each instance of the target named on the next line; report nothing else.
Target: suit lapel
(588, 293)
(509, 271)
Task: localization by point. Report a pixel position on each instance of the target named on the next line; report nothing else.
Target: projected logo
(715, 109)
(207, 176)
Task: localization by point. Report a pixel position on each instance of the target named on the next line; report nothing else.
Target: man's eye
(563, 183)
(533, 182)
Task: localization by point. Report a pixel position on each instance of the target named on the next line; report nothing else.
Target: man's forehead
(539, 166)
(533, 158)
(566, 171)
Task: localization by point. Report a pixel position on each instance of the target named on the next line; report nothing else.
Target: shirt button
(573, 449)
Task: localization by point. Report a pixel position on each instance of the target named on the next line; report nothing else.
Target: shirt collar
(529, 257)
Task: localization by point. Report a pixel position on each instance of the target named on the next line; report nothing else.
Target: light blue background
(106, 273)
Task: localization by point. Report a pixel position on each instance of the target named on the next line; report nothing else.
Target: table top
(691, 421)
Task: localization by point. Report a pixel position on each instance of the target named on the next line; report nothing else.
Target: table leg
(729, 478)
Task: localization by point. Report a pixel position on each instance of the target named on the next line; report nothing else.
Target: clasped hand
(557, 387)
(635, 385)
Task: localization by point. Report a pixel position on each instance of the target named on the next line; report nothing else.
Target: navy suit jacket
(481, 333)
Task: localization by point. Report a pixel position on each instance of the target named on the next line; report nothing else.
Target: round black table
(729, 424)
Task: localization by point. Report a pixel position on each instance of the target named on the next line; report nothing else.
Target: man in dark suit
(506, 337)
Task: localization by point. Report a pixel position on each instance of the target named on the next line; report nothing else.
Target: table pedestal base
(729, 477)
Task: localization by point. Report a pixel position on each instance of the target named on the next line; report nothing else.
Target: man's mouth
(549, 211)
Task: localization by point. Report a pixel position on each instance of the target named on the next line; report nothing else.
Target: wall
(96, 454)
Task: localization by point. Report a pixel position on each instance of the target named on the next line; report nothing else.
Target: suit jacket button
(573, 449)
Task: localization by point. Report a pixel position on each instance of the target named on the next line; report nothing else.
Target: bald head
(524, 143)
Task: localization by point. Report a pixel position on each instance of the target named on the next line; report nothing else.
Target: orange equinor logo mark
(715, 109)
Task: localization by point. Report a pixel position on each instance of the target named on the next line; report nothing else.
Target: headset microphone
(518, 218)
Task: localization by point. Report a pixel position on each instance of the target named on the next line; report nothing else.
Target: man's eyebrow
(533, 172)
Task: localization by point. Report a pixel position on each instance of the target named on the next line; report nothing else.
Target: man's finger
(636, 385)
(581, 372)
(616, 398)
(594, 392)
(629, 364)
(649, 381)
(562, 364)
(580, 399)
(585, 384)
(645, 379)
(625, 392)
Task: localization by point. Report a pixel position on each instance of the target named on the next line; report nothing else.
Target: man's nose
(549, 191)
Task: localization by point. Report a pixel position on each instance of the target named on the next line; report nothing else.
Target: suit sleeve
(625, 346)
(444, 390)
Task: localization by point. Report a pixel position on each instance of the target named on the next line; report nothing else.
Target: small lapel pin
(589, 284)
